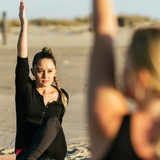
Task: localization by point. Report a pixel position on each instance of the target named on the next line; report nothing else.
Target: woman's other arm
(22, 41)
(105, 103)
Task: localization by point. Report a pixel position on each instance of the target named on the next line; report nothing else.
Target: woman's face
(137, 83)
(44, 72)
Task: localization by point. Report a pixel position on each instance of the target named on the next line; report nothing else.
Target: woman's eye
(39, 71)
(50, 71)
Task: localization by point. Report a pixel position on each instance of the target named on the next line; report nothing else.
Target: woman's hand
(22, 41)
(105, 21)
(22, 14)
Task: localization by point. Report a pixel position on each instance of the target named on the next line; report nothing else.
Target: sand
(72, 48)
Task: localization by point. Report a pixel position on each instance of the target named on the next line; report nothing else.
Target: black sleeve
(62, 113)
(22, 74)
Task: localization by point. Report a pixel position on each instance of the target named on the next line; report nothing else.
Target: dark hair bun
(47, 50)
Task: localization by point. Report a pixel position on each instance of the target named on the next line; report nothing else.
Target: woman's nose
(44, 74)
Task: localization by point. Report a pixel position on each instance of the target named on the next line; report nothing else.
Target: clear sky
(70, 9)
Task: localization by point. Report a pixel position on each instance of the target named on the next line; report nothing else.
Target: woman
(115, 133)
(39, 105)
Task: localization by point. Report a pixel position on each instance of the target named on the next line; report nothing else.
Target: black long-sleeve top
(30, 108)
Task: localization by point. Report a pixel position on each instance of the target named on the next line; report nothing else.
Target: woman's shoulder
(66, 94)
(110, 107)
(63, 90)
(112, 100)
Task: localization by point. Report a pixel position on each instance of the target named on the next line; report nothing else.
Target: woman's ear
(142, 85)
(32, 71)
(144, 78)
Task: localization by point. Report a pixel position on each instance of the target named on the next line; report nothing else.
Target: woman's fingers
(22, 6)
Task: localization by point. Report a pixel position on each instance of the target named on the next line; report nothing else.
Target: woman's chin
(45, 84)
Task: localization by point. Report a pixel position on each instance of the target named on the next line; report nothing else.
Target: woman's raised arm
(102, 64)
(104, 101)
(22, 41)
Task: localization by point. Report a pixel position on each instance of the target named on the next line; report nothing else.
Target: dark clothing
(30, 108)
(48, 143)
(122, 147)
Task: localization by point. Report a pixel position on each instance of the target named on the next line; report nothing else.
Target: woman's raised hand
(22, 41)
(105, 21)
(22, 14)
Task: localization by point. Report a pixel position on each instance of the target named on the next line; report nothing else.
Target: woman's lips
(45, 81)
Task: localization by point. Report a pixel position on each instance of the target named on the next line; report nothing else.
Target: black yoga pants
(48, 143)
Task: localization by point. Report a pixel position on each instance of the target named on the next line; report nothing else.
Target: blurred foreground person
(115, 134)
(40, 106)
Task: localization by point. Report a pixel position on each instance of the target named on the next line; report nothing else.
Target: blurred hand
(22, 14)
(105, 21)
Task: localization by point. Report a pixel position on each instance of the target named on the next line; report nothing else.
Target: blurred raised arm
(102, 60)
(22, 41)
(102, 64)
(105, 103)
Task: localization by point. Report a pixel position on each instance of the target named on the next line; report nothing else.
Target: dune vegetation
(123, 21)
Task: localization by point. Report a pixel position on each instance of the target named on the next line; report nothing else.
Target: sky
(70, 9)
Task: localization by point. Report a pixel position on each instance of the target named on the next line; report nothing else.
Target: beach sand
(71, 47)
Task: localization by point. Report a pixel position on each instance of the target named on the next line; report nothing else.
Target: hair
(144, 53)
(47, 53)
